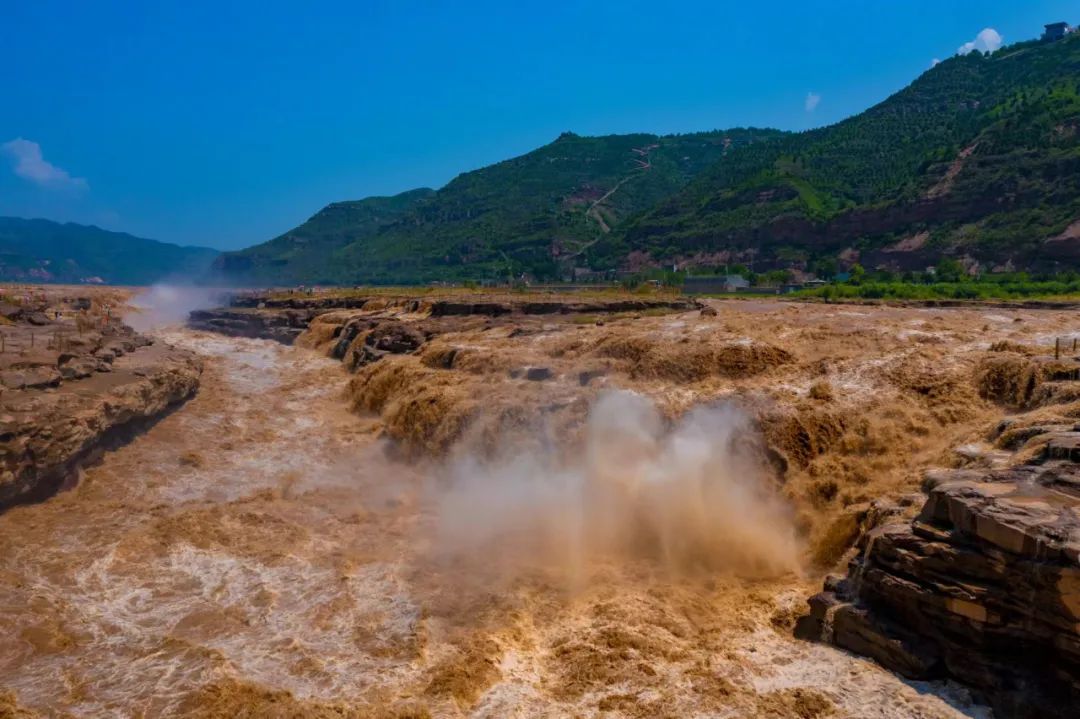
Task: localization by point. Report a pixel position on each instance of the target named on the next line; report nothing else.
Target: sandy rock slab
(47, 430)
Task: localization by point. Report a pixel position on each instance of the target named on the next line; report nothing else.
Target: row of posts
(81, 322)
(1057, 347)
(57, 343)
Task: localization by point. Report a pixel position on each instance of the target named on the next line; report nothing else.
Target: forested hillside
(534, 213)
(314, 251)
(978, 159)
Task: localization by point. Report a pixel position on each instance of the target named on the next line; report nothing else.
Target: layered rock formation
(280, 325)
(983, 584)
(276, 317)
(70, 390)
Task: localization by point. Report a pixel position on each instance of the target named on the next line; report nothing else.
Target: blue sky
(226, 123)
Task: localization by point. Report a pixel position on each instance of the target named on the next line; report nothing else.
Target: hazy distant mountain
(46, 251)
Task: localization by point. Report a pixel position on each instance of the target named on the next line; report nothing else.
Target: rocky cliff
(68, 393)
(280, 325)
(983, 584)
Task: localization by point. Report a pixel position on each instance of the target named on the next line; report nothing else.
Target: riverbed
(261, 550)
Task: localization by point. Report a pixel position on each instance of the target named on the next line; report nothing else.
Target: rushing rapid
(261, 548)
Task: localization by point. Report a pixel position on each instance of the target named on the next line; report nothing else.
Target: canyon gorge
(518, 504)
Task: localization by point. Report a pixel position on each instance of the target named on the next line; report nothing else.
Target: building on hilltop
(1057, 30)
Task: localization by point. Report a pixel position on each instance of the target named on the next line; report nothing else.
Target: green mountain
(978, 159)
(46, 251)
(318, 251)
(527, 214)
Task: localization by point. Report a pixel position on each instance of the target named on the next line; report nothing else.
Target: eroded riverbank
(257, 551)
(74, 382)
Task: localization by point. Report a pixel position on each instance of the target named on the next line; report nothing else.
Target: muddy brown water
(257, 553)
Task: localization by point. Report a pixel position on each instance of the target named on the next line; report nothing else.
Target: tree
(825, 267)
(775, 277)
(950, 270)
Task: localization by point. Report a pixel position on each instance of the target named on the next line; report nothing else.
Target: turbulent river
(259, 553)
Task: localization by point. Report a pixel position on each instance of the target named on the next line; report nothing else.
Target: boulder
(538, 374)
(586, 377)
(387, 337)
(347, 334)
(79, 368)
(11, 312)
(533, 374)
(30, 378)
(78, 371)
(395, 337)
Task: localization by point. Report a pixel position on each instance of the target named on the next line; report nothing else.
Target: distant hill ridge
(47, 251)
(978, 159)
(531, 213)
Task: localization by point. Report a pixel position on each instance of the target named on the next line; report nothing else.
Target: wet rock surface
(280, 325)
(981, 586)
(384, 337)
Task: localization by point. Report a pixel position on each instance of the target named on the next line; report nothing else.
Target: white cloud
(935, 62)
(988, 40)
(29, 164)
(812, 101)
